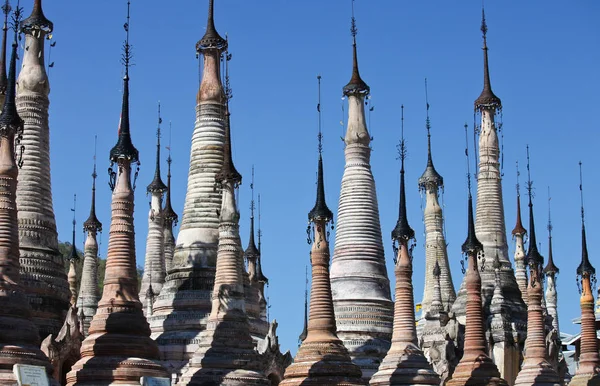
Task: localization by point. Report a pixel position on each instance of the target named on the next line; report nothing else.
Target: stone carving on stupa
(118, 348)
(536, 370)
(359, 280)
(42, 267)
(491, 231)
(226, 355)
(322, 359)
(154, 263)
(181, 310)
(19, 338)
(404, 363)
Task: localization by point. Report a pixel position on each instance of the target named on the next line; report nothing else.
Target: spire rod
(92, 224)
(487, 97)
(471, 245)
(402, 232)
(428, 126)
(585, 267)
(468, 159)
(320, 135)
(74, 255)
(534, 259)
(549, 215)
(259, 233)
(581, 193)
(430, 177)
(550, 268)
(6, 8)
(157, 185)
(356, 84)
(519, 229)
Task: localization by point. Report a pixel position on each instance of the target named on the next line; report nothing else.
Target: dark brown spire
(356, 84)
(3, 79)
(74, 256)
(260, 276)
(550, 268)
(430, 176)
(471, 245)
(402, 232)
(487, 97)
(228, 171)
(534, 258)
(519, 229)
(168, 212)
(585, 267)
(157, 185)
(37, 20)
(251, 253)
(10, 122)
(211, 39)
(124, 148)
(92, 224)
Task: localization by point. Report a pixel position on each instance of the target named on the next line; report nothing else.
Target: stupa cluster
(199, 316)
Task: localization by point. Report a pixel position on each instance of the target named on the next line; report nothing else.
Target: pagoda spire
(487, 97)
(551, 268)
(170, 218)
(118, 348)
(536, 370)
(154, 262)
(404, 363)
(356, 84)
(87, 301)
(73, 259)
(589, 362)
(519, 233)
(334, 364)
(19, 339)
(251, 252)
(6, 8)
(261, 280)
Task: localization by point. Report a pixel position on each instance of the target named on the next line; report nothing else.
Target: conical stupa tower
(536, 370)
(154, 264)
(588, 372)
(359, 281)
(322, 359)
(89, 293)
(431, 183)
(118, 349)
(226, 355)
(42, 267)
(19, 339)
(519, 233)
(182, 309)
(491, 232)
(170, 219)
(404, 363)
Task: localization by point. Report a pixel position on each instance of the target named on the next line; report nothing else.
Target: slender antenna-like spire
(585, 267)
(92, 224)
(157, 185)
(259, 233)
(251, 251)
(471, 245)
(356, 84)
(6, 8)
(402, 231)
(487, 97)
(533, 255)
(519, 229)
(550, 268)
(74, 256)
(211, 39)
(430, 176)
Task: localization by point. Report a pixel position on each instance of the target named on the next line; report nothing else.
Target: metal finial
(353, 29)
(320, 135)
(74, 255)
(259, 233)
(402, 152)
(6, 8)
(169, 159)
(581, 192)
(252, 189)
(529, 182)
(518, 186)
(483, 25)
(94, 174)
(127, 47)
(468, 159)
(74, 209)
(549, 215)
(427, 108)
(228, 90)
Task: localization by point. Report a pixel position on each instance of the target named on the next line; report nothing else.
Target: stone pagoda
(519, 233)
(536, 370)
(588, 372)
(226, 355)
(404, 363)
(475, 366)
(322, 359)
(183, 306)
(89, 293)
(170, 219)
(118, 349)
(42, 267)
(491, 232)
(154, 264)
(19, 339)
(359, 281)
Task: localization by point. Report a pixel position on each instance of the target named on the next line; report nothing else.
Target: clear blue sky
(544, 65)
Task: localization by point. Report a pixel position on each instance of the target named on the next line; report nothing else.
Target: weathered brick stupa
(118, 349)
(183, 306)
(19, 339)
(154, 264)
(588, 372)
(536, 370)
(475, 366)
(404, 363)
(359, 281)
(42, 267)
(322, 359)
(89, 294)
(519, 233)
(227, 355)
(431, 183)
(491, 231)
(170, 219)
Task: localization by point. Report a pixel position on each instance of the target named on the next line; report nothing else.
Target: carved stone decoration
(42, 268)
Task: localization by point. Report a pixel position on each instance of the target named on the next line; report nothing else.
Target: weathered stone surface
(42, 268)
(154, 264)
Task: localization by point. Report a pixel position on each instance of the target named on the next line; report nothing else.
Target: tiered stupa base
(537, 374)
(478, 371)
(405, 365)
(322, 363)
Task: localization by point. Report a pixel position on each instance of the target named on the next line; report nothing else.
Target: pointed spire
(356, 84)
(550, 268)
(533, 255)
(304, 332)
(168, 212)
(74, 256)
(10, 122)
(585, 267)
(320, 211)
(6, 8)
(402, 231)
(487, 97)
(260, 276)
(211, 39)
(251, 252)
(430, 176)
(37, 21)
(471, 245)
(519, 229)
(92, 224)
(124, 148)
(157, 185)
